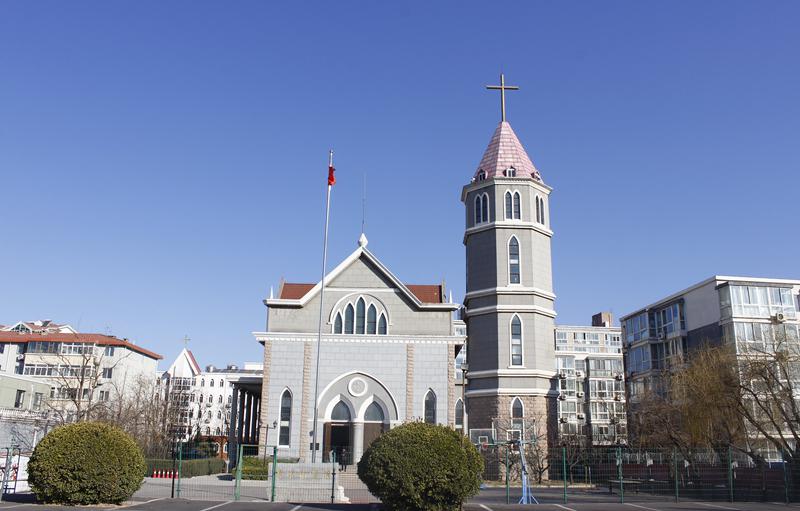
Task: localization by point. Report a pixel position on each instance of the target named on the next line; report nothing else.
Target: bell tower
(509, 301)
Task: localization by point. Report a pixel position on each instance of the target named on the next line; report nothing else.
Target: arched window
(516, 206)
(211, 398)
(382, 325)
(478, 209)
(340, 413)
(348, 319)
(202, 382)
(485, 208)
(337, 324)
(538, 211)
(542, 221)
(517, 411)
(208, 431)
(374, 413)
(509, 206)
(208, 414)
(221, 383)
(284, 434)
(200, 399)
(430, 407)
(372, 319)
(219, 415)
(513, 261)
(459, 414)
(360, 313)
(217, 431)
(220, 399)
(516, 341)
(211, 382)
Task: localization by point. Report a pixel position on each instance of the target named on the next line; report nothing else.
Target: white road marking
(218, 505)
(295, 508)
(487, 508)
(16, 505)
(140, 503)
(641, 507)
(564, 507)
(716, 506)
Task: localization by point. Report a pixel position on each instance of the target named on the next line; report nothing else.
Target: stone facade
(386, 356)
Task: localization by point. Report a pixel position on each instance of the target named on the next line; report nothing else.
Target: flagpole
(321, 304)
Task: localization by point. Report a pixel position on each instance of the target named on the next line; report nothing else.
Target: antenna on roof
(364, 202)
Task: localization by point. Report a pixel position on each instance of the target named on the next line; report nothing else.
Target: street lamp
(464, 369)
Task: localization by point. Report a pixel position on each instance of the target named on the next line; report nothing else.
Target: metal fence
(252, 473)
(625, 474)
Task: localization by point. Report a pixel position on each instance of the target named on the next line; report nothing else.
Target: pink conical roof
(505, 151)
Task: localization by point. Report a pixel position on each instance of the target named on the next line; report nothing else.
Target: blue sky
(163, 163)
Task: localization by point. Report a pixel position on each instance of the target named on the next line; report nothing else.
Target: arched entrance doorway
(355, 409)
(338, 436)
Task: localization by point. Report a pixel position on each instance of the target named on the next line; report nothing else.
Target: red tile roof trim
(98, 339)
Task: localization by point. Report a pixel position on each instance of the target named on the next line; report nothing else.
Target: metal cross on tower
(502, 88)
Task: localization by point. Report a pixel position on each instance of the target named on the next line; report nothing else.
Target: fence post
(508, 497)
(237, 489)
(174, 457)
(675, 460)
(333, 476)
(785, 477)
(274, 469)
(180, 464)
(564, 470)
(5, 474)
(730, 472)
(619, 474)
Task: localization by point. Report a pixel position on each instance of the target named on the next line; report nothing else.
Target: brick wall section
(306, 415)
(262, 437)
(409, 382)
(451, 387)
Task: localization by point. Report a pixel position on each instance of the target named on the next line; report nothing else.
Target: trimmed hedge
(189, 468)
(420, 466)
(86, 463)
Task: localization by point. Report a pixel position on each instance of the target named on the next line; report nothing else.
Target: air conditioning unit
(209, 404)
(21, 356)
(562, 375)
(579, 374)
(562, 396)
(661, 335)
(617, 398)
(618, 376)
(579, 394)
(581, 417)
(562, 420)
(780, 317)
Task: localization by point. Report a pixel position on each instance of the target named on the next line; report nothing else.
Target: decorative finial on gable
(362, 240)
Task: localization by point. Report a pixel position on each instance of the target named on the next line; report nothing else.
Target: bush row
(189, 468)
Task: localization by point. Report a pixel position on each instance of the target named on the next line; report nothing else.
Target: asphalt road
(167, 504)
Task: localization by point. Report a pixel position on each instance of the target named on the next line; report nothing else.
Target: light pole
(464, 369)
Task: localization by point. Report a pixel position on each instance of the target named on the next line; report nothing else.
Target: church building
(387, 356)
(391, 352)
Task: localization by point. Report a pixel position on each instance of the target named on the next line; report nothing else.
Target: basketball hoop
(484, 447)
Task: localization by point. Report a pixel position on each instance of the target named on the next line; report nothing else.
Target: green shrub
(86, 463)
(420, 466)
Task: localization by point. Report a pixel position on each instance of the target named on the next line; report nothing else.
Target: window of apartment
(211, 382)
(762, 301)
(286, 419)
(599, 411)
(109, 351)
(567, 386)
(43, 347)
(77, 348)
(38, 398)
(636, 328)
(568, 410)
(513, 261)
(639, 359)
(565, 365)
(107, 372)
(516, 341)
(202, 382)
(219, 400)
(104, 395)
(19, 400)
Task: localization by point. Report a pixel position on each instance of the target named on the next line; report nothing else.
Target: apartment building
(23, 411)
(82, 370)
(746, 313)
(591, 383)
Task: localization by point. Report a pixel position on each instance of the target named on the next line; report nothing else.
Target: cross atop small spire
(502, 88)
(186, 340)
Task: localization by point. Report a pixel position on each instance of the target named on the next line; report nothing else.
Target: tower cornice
(510, 181)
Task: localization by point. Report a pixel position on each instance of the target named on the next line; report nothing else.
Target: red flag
(331, 177)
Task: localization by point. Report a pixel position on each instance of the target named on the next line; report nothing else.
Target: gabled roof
(424, 296)
(98, 339)
(506, 151)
